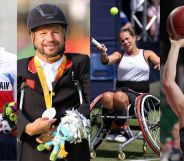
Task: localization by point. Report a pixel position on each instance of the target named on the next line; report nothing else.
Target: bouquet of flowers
(8, 118)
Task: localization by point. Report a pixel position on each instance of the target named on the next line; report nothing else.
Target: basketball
(175, 23)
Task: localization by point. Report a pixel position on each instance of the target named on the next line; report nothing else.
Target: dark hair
(130, 30)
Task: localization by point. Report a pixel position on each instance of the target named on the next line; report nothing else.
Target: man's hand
(48, 135)
(39, 126)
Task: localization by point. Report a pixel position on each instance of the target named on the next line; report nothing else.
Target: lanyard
(47, 93)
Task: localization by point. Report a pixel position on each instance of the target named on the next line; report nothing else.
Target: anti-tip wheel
(93, 154)
(121, 156)
(144, 148)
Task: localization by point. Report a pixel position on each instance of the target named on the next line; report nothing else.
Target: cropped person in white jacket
(8, 93)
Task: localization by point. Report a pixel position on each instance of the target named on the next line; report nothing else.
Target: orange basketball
(175, 23)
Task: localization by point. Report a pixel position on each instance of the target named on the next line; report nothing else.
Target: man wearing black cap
(49, 82)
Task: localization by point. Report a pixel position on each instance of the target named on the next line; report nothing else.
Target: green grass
(108, 151)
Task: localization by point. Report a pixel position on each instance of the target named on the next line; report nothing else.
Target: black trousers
(7, 147)
(182, 139)
(76, 152)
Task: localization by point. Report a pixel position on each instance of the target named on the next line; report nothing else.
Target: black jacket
(66, 97)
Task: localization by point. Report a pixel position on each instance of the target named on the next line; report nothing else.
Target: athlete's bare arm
(114, 58)
(153, 58)
(173, 93)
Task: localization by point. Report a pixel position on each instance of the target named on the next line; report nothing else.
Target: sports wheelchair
(146, 110)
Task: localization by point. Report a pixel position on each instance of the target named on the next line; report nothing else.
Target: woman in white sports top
(132, 72)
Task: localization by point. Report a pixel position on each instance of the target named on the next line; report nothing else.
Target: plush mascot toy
(8, 118)
(73, 128)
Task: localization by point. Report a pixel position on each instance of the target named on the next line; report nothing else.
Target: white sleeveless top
(133, 68)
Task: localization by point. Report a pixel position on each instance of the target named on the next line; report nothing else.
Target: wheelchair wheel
(148, 113)
(98, 129)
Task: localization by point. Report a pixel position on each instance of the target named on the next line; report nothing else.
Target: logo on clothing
(6, 82)
(4, 85)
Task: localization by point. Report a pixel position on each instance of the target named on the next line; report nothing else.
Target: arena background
(105, 29)
(168, 117)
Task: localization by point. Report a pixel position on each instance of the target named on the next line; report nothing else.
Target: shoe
(111, 137)
(126, 132)
(120, 138)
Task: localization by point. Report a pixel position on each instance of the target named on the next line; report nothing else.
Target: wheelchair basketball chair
(146, 110)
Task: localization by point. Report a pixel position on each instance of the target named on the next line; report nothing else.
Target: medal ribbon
(47, 93)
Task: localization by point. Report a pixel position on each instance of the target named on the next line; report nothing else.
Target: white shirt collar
(54, 66)
(51, 69)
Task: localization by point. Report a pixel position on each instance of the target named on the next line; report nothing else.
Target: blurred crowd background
(8, 26)
(143, 15)
(78, 31)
